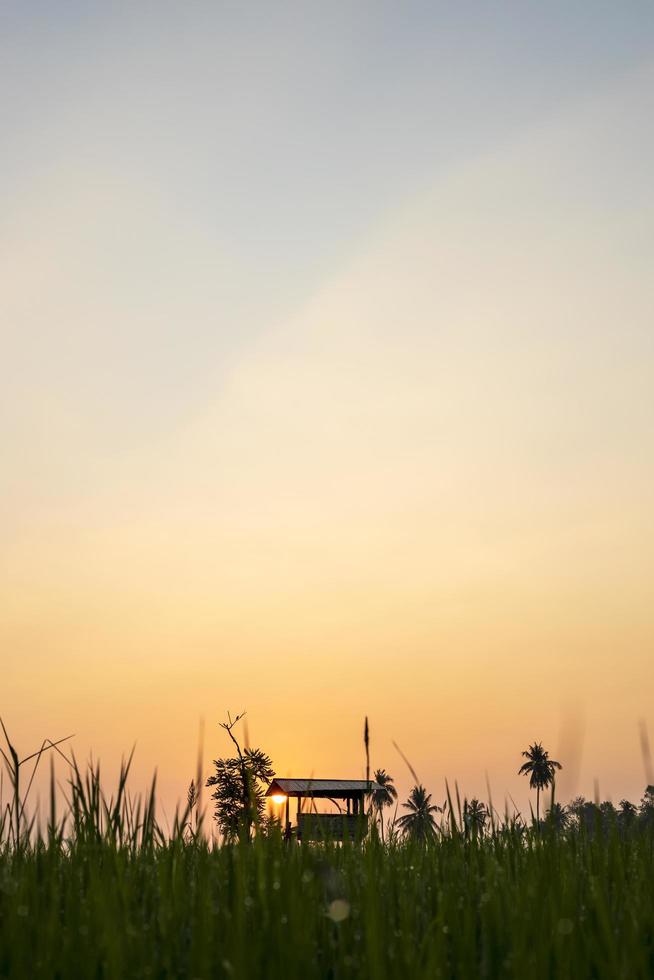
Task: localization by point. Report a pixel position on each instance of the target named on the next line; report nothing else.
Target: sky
(327, 385)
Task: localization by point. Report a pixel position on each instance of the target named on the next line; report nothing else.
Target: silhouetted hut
(350, 822)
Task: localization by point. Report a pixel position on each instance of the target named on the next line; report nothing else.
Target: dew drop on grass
(338, 910)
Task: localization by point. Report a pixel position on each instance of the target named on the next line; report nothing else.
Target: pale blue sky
(276, 134)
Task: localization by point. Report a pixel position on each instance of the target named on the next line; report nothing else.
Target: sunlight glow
(278, 798)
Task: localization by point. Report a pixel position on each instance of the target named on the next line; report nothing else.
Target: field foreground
(544, 905)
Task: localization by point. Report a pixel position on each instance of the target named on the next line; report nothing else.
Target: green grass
(546, 906)
(102, 891)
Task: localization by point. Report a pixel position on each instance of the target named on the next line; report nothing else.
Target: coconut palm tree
(382, 796)
(558, 817)
(541, 770)
(419, 822)
(475, 815)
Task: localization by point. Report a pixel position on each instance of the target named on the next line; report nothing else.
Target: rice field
(102, 891)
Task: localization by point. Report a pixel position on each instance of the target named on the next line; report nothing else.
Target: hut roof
(337, 788)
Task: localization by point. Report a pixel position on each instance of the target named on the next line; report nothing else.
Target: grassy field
(102, 890)
(107, 894)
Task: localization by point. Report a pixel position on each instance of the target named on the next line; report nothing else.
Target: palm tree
(475, 815)
(558, 817)
(419, 822)
(382, 796)
(541, 770)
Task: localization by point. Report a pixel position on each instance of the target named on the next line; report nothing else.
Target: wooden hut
(349, 822)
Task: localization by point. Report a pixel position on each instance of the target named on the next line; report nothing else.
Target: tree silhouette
(627, 814)
(646, 808)
(239, 796)
(475, 816)
(419, 823)
(383, 795)
(577, 810)
(608, 815)
(558, 817)
(541, 770)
